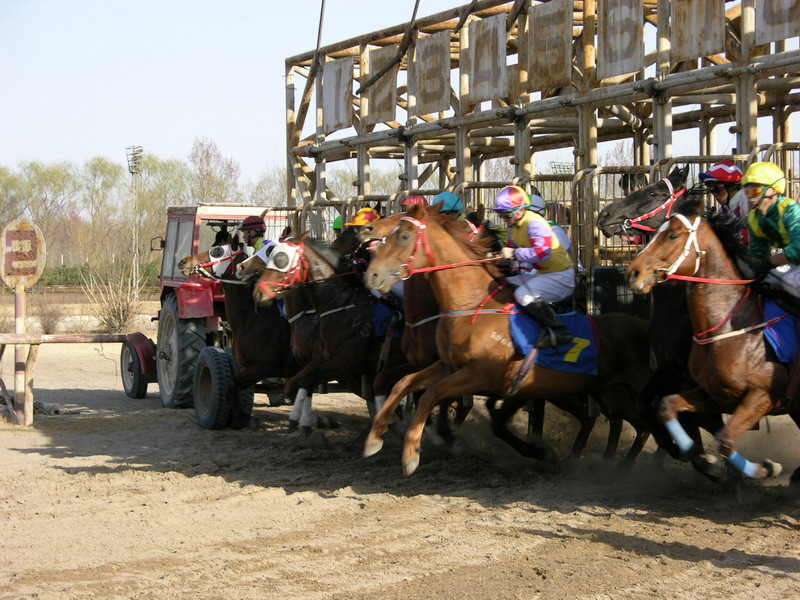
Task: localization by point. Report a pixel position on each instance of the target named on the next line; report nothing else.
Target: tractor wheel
(133, 380)
(244, 396)
(179, 344)
(212, 376)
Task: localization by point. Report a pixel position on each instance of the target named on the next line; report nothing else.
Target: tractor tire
(212, 376)
(133, 380)
(245, 397)
(179, 344)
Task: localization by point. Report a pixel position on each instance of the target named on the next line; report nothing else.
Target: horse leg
(407, 385)
(614, 433)
(754, 406)
(795, 478)
(536, 420)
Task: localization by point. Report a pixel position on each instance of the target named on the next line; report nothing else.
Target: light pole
(135, 167)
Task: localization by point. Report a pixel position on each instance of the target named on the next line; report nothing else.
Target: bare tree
(12, 195)
(214, 177)
(270, 189)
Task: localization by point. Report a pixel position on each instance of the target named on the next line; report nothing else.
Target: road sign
(24, 254)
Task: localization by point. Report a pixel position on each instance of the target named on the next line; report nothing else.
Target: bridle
(636, 222)
(691, 243)
(297, 272)
(219, 255)
(421, 242)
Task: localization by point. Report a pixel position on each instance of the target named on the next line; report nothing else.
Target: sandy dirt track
(125, 499)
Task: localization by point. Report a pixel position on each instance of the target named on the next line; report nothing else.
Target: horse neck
(327, 287)
(711, 303)
(460, 288)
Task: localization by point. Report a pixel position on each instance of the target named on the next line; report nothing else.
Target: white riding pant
(787, 277)
(551, 287)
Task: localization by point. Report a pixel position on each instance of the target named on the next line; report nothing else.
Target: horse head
(645, 209)
(292, 262)
(216, 263)
(674, 250)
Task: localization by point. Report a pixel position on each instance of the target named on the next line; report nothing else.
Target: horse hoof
(411, 465)
(772, 468)
(307, 430)
(372, 446)
(711, 466)
(293, 425)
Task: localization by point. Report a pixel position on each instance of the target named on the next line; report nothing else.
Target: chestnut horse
(419, 345)
(734, 368)
(260, 341)
(473, 338)
(642, 213)
(350, 347)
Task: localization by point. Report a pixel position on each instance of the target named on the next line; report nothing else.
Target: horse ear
(287, 231)
(481, 213)
(414, 210)
(679, 175)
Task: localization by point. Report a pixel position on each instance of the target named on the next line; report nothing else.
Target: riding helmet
(766, 173)
(449, 202)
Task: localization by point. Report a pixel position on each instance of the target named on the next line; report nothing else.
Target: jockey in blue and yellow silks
(546, 273)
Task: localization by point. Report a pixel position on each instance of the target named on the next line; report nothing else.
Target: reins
(691, 241)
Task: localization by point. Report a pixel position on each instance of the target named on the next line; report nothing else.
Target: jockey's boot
(553, 332)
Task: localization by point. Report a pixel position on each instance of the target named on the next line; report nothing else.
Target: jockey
(364, 216)
(253, 229)
(546, 273)
(724, 182)
(414, 199)
(538, 206)
(773, 222)
(337, 225)
(450, 204)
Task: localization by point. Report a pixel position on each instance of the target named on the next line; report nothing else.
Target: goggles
(506, 214)
(754, 190)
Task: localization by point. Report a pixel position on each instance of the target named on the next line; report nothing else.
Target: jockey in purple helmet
(546, 273)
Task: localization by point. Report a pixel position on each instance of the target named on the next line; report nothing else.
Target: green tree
(52, 199)
(270, 189)
(12, 195)
(104, 188)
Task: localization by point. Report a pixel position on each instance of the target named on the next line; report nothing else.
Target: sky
(86, 78)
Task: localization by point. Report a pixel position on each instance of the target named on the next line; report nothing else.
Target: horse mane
(728, 229)
(477, 248)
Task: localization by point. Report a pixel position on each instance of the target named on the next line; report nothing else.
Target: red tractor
(192, 314)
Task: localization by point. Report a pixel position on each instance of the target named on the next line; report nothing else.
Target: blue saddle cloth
(382, 315)
(782, 336)
(578, 356)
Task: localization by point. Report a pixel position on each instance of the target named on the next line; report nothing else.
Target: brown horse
(730, 359)
(473, 341)
(350, 347)
(419, 346)
(260, 336)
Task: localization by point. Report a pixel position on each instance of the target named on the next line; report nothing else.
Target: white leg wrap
(306, 419)
(297, 407)
(379, 402)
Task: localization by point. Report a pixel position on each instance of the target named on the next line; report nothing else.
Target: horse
(735, 370)
(474, 338)
(422, 313)
(260, 336)
(350, 347)
(644, 211)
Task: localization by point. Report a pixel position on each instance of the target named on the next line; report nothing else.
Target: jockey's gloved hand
(507, 252)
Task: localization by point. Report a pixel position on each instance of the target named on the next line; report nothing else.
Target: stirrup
(550, 337)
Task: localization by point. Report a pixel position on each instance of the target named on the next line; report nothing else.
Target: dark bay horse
(643, 212)
(350, 347)
(734, 368)
(260, 341)
(478, 357)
